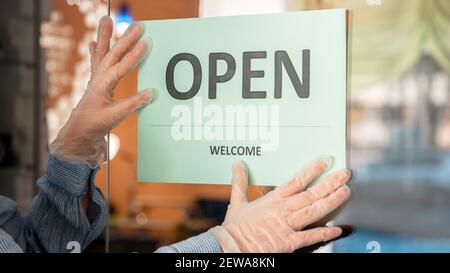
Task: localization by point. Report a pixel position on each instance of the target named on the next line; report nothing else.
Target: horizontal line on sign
(281, 126)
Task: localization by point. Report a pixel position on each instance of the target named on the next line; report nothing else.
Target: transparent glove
(82, 139)
(281, 220)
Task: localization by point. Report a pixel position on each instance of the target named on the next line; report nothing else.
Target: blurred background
(399, 117)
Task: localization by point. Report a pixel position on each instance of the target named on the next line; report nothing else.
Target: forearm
(58, 215)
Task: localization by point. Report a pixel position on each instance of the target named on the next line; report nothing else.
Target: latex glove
(276, 222)
(82, 139)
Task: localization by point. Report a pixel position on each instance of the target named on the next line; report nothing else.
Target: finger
(306, 176)
(123, 45)
(92, 49)
(308, 215)
(347, 230)
(105, 30)
(316, 235)
(109, 80)
(123, 108)
(239, 184)
(131, 59)
(319, 191)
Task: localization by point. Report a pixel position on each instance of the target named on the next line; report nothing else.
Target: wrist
(70, 150)
(73, 178)
(225, 240)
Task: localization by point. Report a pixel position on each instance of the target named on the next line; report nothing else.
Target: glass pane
(399, 122)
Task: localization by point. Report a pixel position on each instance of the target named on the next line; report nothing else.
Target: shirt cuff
(71, 177)
(203, 243)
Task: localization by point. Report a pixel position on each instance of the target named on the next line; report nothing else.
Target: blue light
(123, 19)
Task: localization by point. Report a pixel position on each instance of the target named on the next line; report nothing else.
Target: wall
(23, 148)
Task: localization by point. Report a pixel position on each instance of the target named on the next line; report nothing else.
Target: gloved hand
(82, 139)
(276, 222)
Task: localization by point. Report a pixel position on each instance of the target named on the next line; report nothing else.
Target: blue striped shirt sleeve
(7, 243)
(56, 216)
(203, 243)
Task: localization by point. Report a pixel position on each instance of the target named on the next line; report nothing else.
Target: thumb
(125, 107)
(92, 49)
(239, 184)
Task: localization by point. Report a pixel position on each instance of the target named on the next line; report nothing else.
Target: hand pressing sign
(82, 138)
(278, 221)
